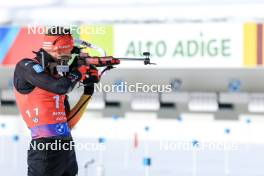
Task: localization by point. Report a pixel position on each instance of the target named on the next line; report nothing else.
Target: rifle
(108, 62)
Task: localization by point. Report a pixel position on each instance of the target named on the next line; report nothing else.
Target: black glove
(78, 65)
(74, 64)
(74, 76)
(93, 77)
(76, 61)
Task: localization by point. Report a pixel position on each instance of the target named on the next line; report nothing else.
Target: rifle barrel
(131, 59)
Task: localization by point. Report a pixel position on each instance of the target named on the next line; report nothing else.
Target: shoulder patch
(38, 68)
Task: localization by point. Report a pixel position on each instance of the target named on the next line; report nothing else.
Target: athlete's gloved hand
(92, 76)
(74, 76)
(74, 65)
(78, 65)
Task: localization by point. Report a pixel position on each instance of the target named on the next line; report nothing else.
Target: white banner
(182, 45)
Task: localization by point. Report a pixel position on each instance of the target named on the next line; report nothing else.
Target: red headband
(55, 43)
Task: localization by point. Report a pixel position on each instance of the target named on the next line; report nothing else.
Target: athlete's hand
(92, 76)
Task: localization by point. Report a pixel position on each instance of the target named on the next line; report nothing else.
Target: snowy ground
(172, 155)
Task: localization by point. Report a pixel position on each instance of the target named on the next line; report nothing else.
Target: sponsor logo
(35, 119)
(38, 68)
(60, 128)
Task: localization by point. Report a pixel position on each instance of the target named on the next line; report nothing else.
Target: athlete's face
(61, 54)
(61, 58)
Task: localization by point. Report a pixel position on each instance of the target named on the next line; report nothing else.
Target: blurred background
(211, 52)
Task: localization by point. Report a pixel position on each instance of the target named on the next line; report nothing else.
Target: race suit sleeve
(29, 74)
